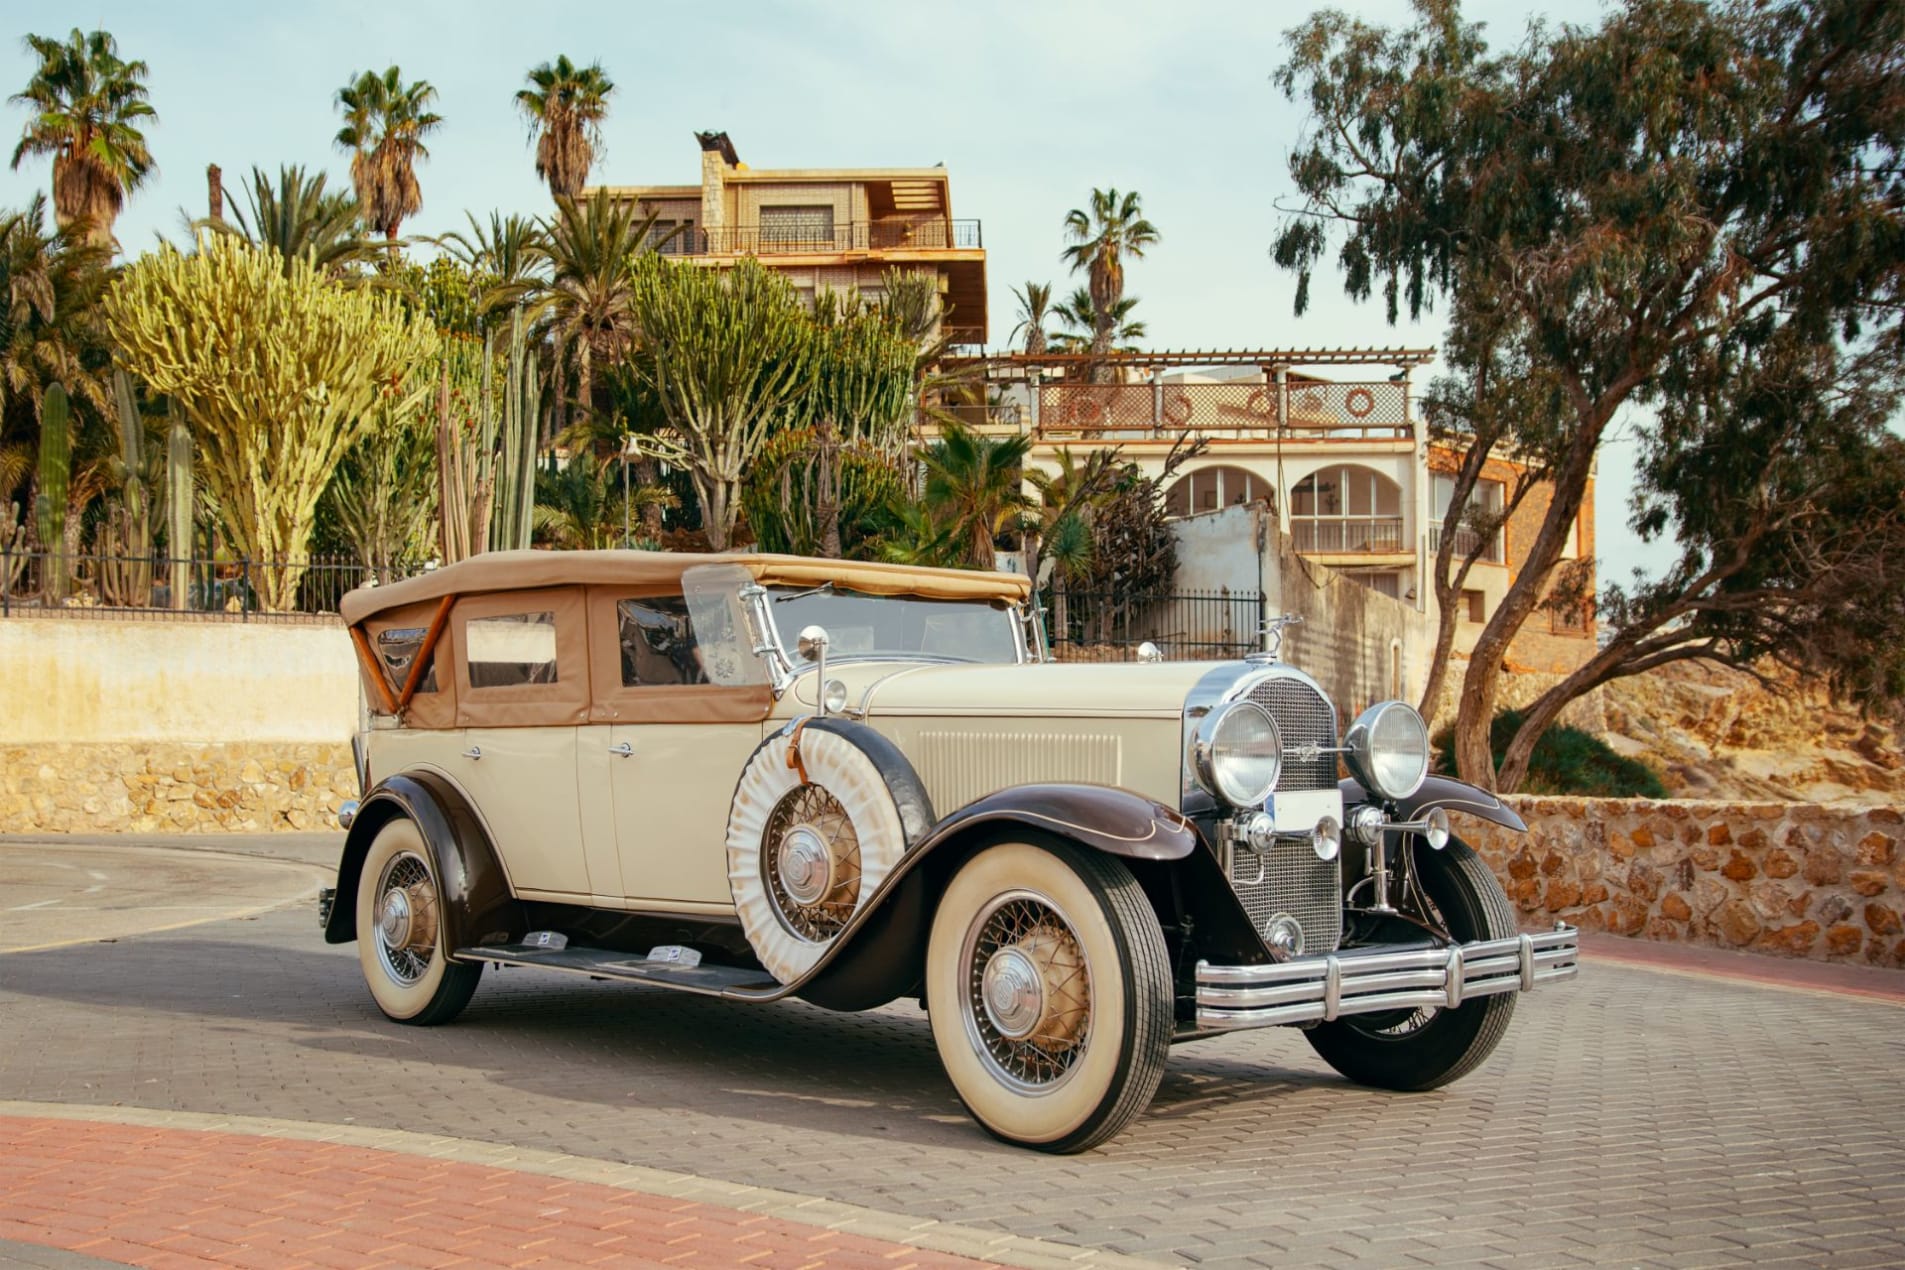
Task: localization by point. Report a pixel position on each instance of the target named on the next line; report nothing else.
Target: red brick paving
(172, 1199)
(1837, 977)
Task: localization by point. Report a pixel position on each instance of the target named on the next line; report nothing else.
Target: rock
(1877, 848)
(1552, 863)
(1824, 867)
(1737, 924)
(1675, 906)
(1521, 865)
(1593, 893)
(1844, 941)
(1643, 881)
(1719, 835)
(1778, 863)
(1628, 916)
(1834, 908)
(1739, 868)
(1793, 941)
(1868, 882)
(1881, 920)
(1563, 894)
(1642, 836)
(1705, 858)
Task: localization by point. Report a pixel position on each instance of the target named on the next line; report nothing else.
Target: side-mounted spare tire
(821, 815)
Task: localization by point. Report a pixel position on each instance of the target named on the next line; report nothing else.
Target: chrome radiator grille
(1294, 882)
(1305, 718)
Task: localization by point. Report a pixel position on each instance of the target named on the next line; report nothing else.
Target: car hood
(1051, 690)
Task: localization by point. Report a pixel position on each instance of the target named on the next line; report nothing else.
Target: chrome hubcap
(806, 865)
(1013, 993)
(393, 924)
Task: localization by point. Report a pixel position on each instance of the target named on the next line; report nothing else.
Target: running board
(602, 963)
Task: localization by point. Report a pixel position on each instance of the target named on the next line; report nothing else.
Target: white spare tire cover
(804, 856)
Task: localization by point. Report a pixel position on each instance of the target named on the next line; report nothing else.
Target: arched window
(1347, 510)
(1211, 488)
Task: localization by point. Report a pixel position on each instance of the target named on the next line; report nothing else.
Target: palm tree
(973, 484)
(577, 503)
(1100, 240)
(1059, 529)
(50, 284)
(1035, 302)
(591, 248)
(509, 254)
(1118, 329)
(85, 104)
(385, 122)
(565, 104)
(297, 218)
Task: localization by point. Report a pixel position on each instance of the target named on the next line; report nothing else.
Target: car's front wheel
(1049, 991)
(400, 932)
(1422, 1049)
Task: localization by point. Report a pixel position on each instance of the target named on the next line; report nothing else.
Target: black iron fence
(52, 583)
(1184, 625)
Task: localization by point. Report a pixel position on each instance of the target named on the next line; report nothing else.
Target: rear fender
(474, 890)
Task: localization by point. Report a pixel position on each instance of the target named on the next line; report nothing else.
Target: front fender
(1447, 793)
(474, 890)
(881, 953)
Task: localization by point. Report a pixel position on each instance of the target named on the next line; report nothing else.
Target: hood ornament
(1273, 629)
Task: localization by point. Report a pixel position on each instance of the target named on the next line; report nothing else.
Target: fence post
(6, 578)
(244, 589)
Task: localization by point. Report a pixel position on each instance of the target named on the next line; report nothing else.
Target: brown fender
(1114, 821)
(475, 895)
(1444, 792)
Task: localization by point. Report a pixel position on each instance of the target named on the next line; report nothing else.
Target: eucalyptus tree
(86, 108)
(1101, 237)
(1691, 209)
(299, 219)
(726, 352)
(385, 123)
(277, 374)
(565, 105)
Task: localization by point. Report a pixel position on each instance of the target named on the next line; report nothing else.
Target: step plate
(721, 981)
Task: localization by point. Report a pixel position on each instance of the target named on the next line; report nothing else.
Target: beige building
(835, 229)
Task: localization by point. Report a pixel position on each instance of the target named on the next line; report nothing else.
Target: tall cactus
(124, 536)
(516, 465)
(55, 484)
(180, 494)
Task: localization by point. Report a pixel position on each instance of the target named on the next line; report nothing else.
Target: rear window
(397, 648)
(657, 643)
(508, 651)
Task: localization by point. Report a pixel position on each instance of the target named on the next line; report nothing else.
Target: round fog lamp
(834, 697)
(1327, 838)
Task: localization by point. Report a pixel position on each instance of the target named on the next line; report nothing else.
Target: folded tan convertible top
(521, 570)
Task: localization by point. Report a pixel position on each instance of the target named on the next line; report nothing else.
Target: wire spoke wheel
(1028, 998)
(406, 933)
(810, 858)
(401, 920)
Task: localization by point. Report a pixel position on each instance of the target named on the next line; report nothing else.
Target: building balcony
(901, 234)
(1349, 536)
(1466, 540)
(1244, 411)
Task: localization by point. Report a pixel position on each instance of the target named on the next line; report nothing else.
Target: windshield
(898, 625)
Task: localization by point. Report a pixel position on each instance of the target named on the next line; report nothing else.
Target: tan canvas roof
(517, 570)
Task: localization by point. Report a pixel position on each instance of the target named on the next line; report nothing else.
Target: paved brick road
(1632, 1118)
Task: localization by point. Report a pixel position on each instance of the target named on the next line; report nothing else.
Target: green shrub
(1566, 761)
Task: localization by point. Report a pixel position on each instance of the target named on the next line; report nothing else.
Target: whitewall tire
(400, 944)
(1049, 991)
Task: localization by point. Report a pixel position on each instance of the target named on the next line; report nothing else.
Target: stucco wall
(1794, 879)
(98, 681)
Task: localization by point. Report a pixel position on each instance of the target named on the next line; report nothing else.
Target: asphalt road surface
(1632, 1117)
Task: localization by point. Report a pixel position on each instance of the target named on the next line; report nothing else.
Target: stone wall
(1793, 879)
(168, 787)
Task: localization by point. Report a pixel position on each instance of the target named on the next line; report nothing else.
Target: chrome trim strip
(1325, 988)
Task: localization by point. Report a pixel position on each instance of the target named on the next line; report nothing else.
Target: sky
(1029, 104)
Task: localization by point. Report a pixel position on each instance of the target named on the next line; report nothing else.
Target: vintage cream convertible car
(760, 776)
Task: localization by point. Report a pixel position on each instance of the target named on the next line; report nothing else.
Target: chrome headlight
(1388, 749)
(1238, 753)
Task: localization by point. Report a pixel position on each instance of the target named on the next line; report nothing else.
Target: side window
(397, 648)
(504, 652)
(657, 643)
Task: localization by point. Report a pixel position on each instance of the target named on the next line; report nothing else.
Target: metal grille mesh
(1305, 718)
(1294, 882)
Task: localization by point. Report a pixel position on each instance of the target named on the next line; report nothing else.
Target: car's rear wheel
(400, 942)
(1422, 1049)
(1049, 991)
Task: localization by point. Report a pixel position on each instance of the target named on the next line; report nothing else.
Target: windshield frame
(785, 666)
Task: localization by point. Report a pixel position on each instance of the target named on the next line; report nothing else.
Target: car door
(522, 696)
(676, 744)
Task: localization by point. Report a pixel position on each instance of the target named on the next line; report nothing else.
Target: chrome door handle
(475, 751)
(624, 750)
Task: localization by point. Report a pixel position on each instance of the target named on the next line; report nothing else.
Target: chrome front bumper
(1319, 989)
